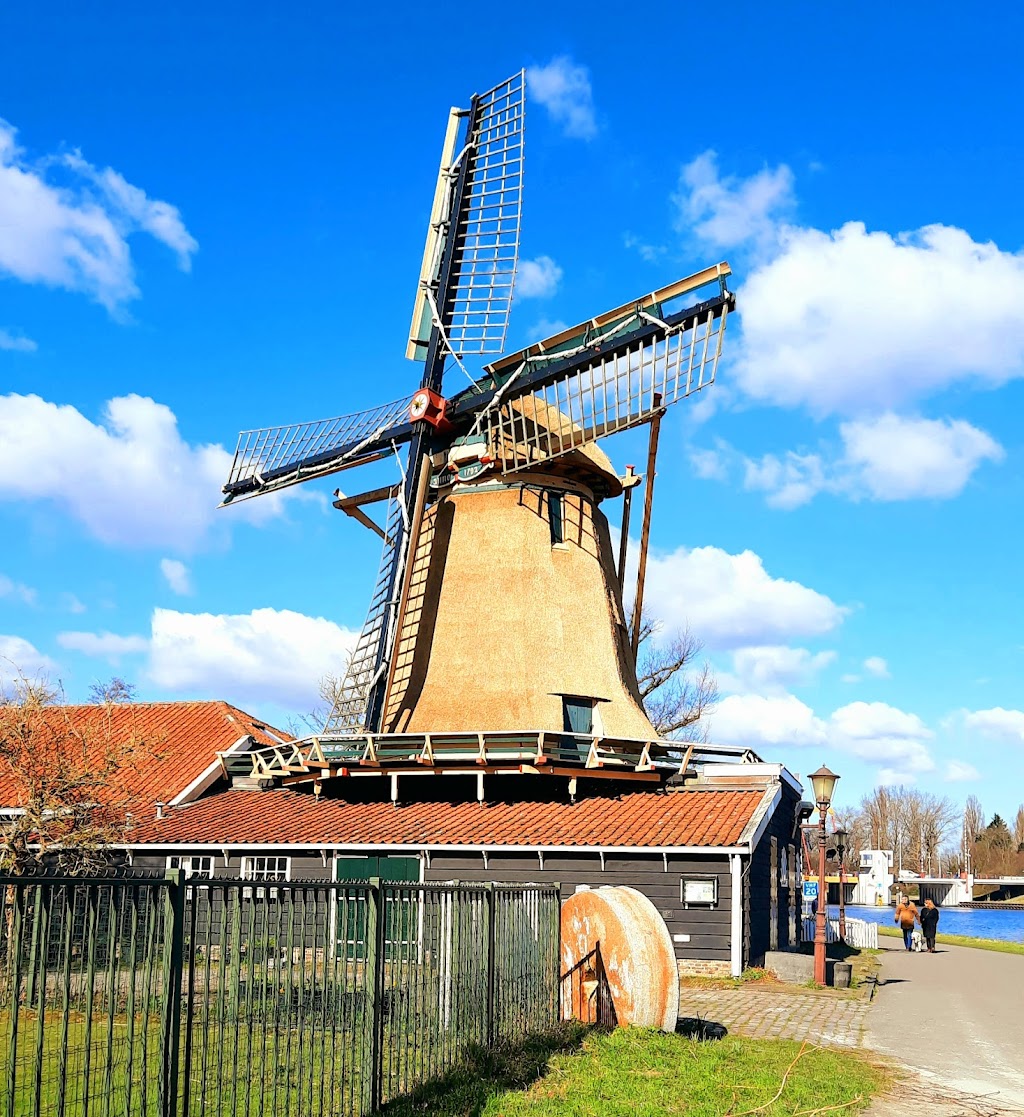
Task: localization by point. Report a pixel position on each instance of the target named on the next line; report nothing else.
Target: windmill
(496, 560)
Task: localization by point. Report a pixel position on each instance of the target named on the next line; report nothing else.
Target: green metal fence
(122, 996)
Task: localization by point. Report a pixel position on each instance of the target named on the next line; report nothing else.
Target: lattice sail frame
(609, 394)
(487, 230)
(349, 711)
(275, 457)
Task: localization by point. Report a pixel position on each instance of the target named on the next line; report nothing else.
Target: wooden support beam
(592, 773)
(629, 483)
(353, 505)
(419, 507)
(645, 534)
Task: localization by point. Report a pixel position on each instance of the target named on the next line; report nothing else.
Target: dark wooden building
(718, 855)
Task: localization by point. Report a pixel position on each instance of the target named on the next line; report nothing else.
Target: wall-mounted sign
(699, 890)
(810, 889)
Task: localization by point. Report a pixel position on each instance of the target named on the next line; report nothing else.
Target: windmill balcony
(536, 752)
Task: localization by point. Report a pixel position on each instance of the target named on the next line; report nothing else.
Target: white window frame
(251, 866)
(251, 870)
(193, 865)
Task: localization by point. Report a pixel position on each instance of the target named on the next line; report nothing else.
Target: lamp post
(824, 782)
(841, 836)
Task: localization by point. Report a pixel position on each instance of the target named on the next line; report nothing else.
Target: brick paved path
(773, 1014)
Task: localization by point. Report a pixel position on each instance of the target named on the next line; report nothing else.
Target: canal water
(981, 923)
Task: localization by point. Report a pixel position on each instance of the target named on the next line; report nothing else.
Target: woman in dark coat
(929, 919)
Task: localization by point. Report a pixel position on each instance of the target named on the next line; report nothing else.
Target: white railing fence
(860, 933)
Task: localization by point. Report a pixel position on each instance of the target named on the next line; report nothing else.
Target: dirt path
(956, 1017)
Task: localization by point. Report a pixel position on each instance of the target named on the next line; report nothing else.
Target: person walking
(929, 920)
(906, 917)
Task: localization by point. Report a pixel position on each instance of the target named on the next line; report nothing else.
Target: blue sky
(212, 218)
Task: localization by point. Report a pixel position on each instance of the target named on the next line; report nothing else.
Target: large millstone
(615, 945)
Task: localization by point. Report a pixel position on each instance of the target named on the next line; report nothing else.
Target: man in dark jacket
(929, 918)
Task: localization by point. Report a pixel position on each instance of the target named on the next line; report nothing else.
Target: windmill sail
(473, 308)
(367, 663)
(606, 375)
(275, 457)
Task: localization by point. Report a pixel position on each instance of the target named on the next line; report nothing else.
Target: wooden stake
(414, 541)
(645, 534)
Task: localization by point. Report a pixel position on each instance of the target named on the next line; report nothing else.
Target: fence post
(379, 940)
(20, 896)
(556, 962)
(491, 960)
(174, 943)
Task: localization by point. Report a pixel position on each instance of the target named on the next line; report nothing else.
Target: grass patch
(750, 976)
(633, 1072)
(964, 940)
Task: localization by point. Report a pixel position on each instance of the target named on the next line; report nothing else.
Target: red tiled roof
(282, 816)
(177, 743)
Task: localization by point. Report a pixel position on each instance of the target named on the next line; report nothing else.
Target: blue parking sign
(810, 889)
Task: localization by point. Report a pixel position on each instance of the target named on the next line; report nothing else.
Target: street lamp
(824, 783)
(842, 836)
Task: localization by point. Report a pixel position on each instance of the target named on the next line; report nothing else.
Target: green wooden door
(352, 910)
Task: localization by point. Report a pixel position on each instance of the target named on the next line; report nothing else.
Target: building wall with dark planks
(303, 864)
(771, 885)
(698, 932)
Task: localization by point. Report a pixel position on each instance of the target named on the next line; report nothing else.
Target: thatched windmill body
(497, 615)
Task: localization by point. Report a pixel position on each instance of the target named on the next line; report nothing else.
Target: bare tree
(974, 818)
(1018, 829)
(914, 824)
(678, 692)
(329, 689)
(67, 780)
(114, 690)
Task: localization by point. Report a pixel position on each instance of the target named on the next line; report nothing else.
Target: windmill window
(556, 518)
(578, 715)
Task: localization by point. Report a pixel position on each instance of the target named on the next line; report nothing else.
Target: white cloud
(853, 321)
(729, 211)
(959, 771)
(884, 458)
(537, 279)
(102, 645)
(731, 601)
(895, 741)
(17, 655)
(997, 723)
(266, 655)
(16, 342)
(74, 234)
(875, 665)
(775, 668)
(563, 88)
(130, 479)
(710, 465)
(160, 219)
(900, 459)
(885, 735)
(789, 481)
(766, 722)
(72, 604)
(548, 327)
(652, 253)
(177, 576)
(18, 590)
